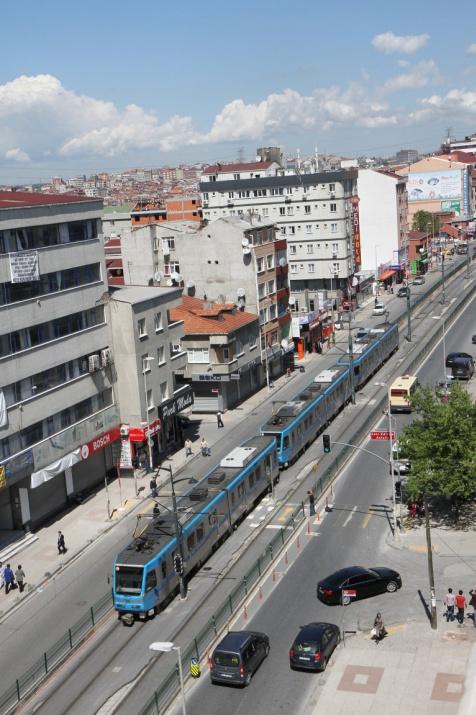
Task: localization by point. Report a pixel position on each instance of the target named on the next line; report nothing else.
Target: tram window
(191, 541)
(258, 473)
(285, 442)
(163, 566)
(129, 579)
(151, 581)
(241, 490)
(200, 532)
(251, 479)
(212, 518)
(232, 498)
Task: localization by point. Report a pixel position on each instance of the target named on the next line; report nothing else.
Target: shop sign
(177, 404)
(99, 443)
(125, 460)
(153, 428)
(210, 377)
(354, 216)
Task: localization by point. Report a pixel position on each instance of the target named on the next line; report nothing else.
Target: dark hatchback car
(237, 657)
(313, 646)
(461, 365)
(365, 583)
(402, 292)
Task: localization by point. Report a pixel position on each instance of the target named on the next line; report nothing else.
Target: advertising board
(434, 185)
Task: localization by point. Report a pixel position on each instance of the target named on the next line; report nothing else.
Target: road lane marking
(287, 510)
(278, 526)
(350, 516)
(366, 519)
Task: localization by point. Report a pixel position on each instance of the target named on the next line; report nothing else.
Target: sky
(103, 85)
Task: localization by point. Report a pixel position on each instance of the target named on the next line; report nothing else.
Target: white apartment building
(314, 212)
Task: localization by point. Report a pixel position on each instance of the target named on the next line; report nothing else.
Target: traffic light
(326, 441)
(178, 564)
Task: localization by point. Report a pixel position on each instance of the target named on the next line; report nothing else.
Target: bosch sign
(100, 442)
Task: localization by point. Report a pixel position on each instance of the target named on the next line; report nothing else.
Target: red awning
(386, 275)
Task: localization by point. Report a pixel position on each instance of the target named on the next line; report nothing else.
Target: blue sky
(109, 85)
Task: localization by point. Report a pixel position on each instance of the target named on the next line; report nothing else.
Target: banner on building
(24, 267)
(356, 230)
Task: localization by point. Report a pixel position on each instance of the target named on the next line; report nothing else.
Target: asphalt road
(34, 627)
(356, 532)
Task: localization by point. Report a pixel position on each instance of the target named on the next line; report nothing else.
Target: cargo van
(237, 657)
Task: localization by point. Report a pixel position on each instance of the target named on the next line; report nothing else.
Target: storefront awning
(386, 275)
(52, 470)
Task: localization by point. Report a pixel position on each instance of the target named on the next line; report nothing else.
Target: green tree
(441, 446)
(424, 221)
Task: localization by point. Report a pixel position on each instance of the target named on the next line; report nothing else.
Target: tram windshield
(129, 579)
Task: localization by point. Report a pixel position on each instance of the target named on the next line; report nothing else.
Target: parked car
(237, 657)
(419, 281)
(461, 365)
(402, 292)
(364, 582)
(379, 309)
(313, 646)
(473, 339)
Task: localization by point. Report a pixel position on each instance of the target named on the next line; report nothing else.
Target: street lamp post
(390, 434)
(431, 574)
(351, 365)
(376, 269)
(167, 647)
(443, 292)
(145, 369)
(409, 315)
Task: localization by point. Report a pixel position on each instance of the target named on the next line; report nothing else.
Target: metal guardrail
(27, 682)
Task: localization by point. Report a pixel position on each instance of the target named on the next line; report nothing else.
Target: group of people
(458, 601)
(10, 579)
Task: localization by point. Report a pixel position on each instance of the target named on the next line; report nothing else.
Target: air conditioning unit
(106, 357)
(93, 363)
(124, 431)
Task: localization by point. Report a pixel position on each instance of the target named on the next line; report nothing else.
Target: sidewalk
(86, 522)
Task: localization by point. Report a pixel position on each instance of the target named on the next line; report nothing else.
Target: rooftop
(140, 294)
(22, 199)
(240, 166)
(203, 318)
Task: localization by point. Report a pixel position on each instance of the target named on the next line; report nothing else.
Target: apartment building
(313, 211)
(179, 207)
(58, 414)
(116, 221)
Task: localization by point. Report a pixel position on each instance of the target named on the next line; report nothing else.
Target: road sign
(383, 435)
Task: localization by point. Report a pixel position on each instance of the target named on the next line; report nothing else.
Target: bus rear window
(398, 393)
(129, 579)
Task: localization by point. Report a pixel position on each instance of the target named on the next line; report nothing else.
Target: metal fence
(54, 655)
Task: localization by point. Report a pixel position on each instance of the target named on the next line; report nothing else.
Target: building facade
(147, 349)
(58, 415)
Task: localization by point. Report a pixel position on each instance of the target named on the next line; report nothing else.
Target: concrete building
(468, 144)
(316, 212)
(179, 207)
(223, 356)
(383, 222)
(406, 156)
(116, 221)
(58, 415)
(230, 260)
(147, 352)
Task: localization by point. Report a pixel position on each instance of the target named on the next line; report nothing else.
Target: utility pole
(178, 533)
(431, 575)
(409, 316)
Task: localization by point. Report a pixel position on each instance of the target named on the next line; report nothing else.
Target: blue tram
(144, 576)
(298, 422)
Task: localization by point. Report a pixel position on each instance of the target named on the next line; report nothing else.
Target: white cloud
(455, 101)
(420, 75)
(406, 44)
(17, 154)
(471, 50)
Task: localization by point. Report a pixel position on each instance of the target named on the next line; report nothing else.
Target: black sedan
(354, 582)
(313, 646)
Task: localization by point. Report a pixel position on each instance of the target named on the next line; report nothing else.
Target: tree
(441, 446)
(427, 222)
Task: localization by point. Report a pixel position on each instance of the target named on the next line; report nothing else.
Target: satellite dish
(241, 292)
(190, 284)
(158, 276)
(170, 283)
(284, 343)
(282, 262)
(245, 242)
(246, 251)
(292, 301)
(176, 277)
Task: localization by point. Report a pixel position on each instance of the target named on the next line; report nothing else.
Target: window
(198, 355)
(271, 288)
(307, 209)
(151, 581)
(261, 290)
(289, 190)
(158, 322)
(265, 212)
(191, 541)
(200, 532)
(260, 264)
(290, 211)
(236, 177)
(310, 248)
(308, 228)
(150, 400)
(146, 363)
(231, 194)
(226, 354)
(238, 346)
(335, 248)
(161, 354)
(270, 261)
(171, 267)
(282, 210)
(276, 192)
(335, 267)
(292, 230)
(332, 187)
(262, 316)
(163, 567)
(293, 267)
(205, 196)
(311, 305)
(164, 391)
(333, 228)
(333, 208)
(283, 230)
(272, 311)
(175, 349)
(252, 342)
(292, 250)
(310, 267)
(168, 244)
(141, 328)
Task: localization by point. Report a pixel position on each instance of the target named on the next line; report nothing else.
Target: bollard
(194, 668)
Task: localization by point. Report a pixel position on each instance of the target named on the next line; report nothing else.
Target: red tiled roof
(198, 320)
(417, 235)
(463, 157)
(20, 199)
(450, 230)
(241, 166)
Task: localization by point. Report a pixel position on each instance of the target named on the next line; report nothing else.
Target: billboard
(354, 213)
(434, 185)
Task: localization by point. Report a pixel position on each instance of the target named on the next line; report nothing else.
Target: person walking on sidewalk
(312, 504)
(378, 632)
(204, 447)
(9, 579)
(460, 601)
(2, 575)
(449, 602)
(20, 577)
(188, 447)
(61, 544)
(219, 419)
(153, 487)
(472, 602)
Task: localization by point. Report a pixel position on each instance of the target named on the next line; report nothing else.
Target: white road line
(350, 516)
(277, 526)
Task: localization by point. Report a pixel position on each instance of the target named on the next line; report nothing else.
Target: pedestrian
(449, 602)
(219, 419)
(376, 301)
(2, 575)
(204, 447)
(472, 602)
(9, 577)
(378, 631)
(153, 487)
(188, 447)
(156, 511)
(20, 577)
(61, 544)
(460, 602)
(391, 289)
(312, 504)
